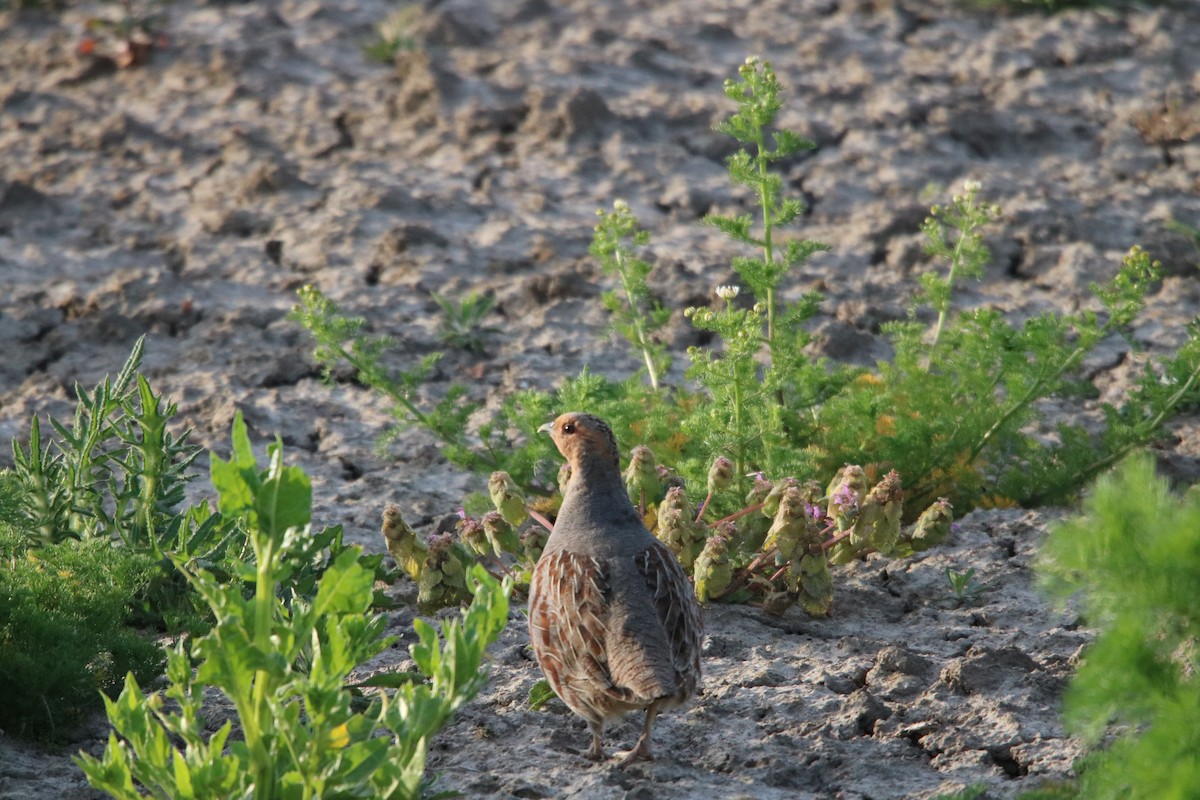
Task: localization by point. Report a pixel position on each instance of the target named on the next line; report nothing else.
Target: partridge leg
(641, 750)
(596, 752)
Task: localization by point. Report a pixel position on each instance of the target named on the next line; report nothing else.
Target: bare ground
(260, 150)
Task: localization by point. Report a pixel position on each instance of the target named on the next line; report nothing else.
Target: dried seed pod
(507, 498)
(402, 542)
(500, 534)
(720, 475)
(933, 526)
(713, 570)
(641, 476)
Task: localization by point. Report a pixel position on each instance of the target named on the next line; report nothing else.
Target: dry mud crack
(261, 150)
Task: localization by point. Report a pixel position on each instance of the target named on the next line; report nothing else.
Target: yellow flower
(339, 737)
(885, 425)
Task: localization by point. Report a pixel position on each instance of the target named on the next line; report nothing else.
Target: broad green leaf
(284, 500)
(345, 588)
(236, 480)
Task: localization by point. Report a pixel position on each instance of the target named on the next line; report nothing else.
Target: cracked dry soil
(261, 150)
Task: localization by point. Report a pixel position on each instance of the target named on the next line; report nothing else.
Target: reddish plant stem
(541, 520)
(737, 514)
(745, 572)
(830, 543)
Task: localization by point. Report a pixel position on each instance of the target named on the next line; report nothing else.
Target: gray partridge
(614, 622)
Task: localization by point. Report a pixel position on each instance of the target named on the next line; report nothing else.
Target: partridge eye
(568, 427)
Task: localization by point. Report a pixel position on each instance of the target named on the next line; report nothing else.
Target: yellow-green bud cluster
(402, 542)
(878, 523)
(500, 534)
(933, 526)
(794, 532)
(677, 528)
(713, 569)
(443, 575)
(810, 580)
(845, 493)
(470, 532)
(533, 542)
(641, 476)
(507, 498)
(720, 475)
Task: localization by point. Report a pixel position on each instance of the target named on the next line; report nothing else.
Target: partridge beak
(547, 428)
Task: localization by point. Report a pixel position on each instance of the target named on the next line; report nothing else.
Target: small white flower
(620, 205)
(728, 292)
(970, 186)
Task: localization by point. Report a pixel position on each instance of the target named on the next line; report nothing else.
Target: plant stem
(1035, 391)
(740, 467)
(944, 311)
(372, 376)
(767, 202)
(828, 543)
(738, 514)
(255, 721)
(637, 318)
(1098, 466)
(540, 519)
(744, 573)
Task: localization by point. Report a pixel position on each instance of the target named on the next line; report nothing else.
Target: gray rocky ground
(260, 150)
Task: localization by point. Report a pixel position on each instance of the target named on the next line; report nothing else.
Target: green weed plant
(97, 546)
(462, 320)
(66, 632)
(952, 414)
(115, 471)
(1132, 560)
(285, 662)
(394, 35)
(637, 315)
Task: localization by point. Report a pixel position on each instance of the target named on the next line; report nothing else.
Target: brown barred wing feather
(568, 629)
(679, 613)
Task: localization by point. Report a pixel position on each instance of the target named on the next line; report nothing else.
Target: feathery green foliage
(757, 94)
(636, 314)
(956, 411)
(1133, 557)
(65, 633)
(462, 321)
